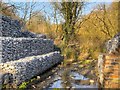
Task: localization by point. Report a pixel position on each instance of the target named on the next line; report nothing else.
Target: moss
(25, 84)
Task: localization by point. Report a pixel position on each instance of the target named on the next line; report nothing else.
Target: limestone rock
(113, 45)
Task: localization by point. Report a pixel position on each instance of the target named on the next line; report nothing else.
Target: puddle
(67, 77)
(84, 86)
(58, 82)
(77, 76)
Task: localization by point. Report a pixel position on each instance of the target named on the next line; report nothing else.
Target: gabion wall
(25, 69)
(13, 28)
(16, 48)
(9, 27)
(23, 54)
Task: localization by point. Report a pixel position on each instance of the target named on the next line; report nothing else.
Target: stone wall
(109, 64)
(13, 28)
(23, 54)
(16, 48)
(113, 45)
(25, 69)
(9, 27)
(109, 71)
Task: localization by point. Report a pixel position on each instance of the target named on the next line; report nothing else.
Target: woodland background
(79, 36)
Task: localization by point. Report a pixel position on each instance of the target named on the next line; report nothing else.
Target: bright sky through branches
(61, 0)
(49, 12)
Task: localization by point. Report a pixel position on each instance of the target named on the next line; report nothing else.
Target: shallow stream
(73, 79)
(64, 77)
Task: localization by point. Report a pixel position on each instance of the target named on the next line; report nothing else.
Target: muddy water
(65, 77)
(71, 79)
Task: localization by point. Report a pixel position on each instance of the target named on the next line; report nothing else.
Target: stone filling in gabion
(16, 48)
(24, 69)
(23, 54)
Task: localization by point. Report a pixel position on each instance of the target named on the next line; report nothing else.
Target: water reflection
(70, 79)
(84, 86)
(77, 76)
(56, 84)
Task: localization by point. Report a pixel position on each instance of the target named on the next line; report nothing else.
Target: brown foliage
(7, 9)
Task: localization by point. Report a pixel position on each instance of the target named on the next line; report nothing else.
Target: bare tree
(7, 9)
(26, 9)
(106, 24)
(71, 12)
